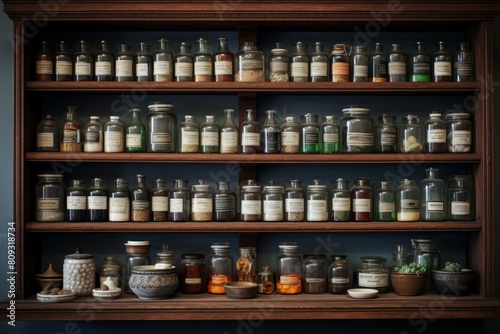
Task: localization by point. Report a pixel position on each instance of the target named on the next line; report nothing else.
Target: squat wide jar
(356, 127)
(50, 198)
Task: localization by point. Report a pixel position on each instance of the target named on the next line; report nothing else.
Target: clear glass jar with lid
(183, 63)
(463, 63)
(220, 268)
(250, 133)
(339, 63)
(384, 202)
(290, 135)
(97, 201)
(373, 273)
(461, 198)
(270, 136)
(179, 201)
(229, 139)
(223, 62)
(159, 201)
(209, 135)
(76, 201)
(411, 137)
(135, 132)
(202, 202)
(288, 269)
(432, 197)
(315, 273)
(251, 203)
(294, 201)
(396, 63)
(188, 135)
(278, 64)
(443, 63)
(50, 198)
(163, 61)
(408, 201)
(435, 134)
(47, 135)
(249, 64)
(224, 203)
(318, 64)
(426, 252)
(114, 140)
(330, 135)
(359, 64)
(161, 128)
(79, 273)
(203, 61)
(340, 276)
(341, 201)
(84, 62)
(309, 134)
(144, 63)
(272, 203)
(63, 63)
(93, 140)
(458, 132)
(316, 202)
(246, 265)
(193, 273)
(356, 126)
(362, 200)
(299, 63)
(141, 201)
(71, 132)
(165, 256)
(124, 64)
(399, 258)
(105, 62)
(135, 259)
(420, 64)
(386, 134)
(119, 201)
(110, 270)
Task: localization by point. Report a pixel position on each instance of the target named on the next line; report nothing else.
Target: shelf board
(251, 227)
(253, 158)
(277, 307)
(393, 88)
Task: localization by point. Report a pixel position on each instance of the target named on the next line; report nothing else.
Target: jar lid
(339, 257)
(356, 109)
(78, 255)
(373, 259)
(273, 188)
(202, 187)
(192, 256)
(316, 187)
(160, 105)
(458, 115)
(435, 114)
(220, 245)
(58, 176)
(251, 188)
(288, 245)
(137, 243)
(315, 256)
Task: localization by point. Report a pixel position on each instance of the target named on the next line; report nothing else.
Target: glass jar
(356, 126)
(71, 132)
(249, 64)
(135, 133)
(63, 62)
(373, 273)
(362, 200)
(359, 64)
(299, 63)
(290, 135)
(411, 135)
(47, 135)
(246, 265)
(133, 260)
(288, 269)
(316, 202)
(294, 201)
(202, 202)
(119, 201)
(50, 198)
(110, 270)
(144, 63)
(341, 201)
(43, 65)
(377, 71)
(386, 134)
(105, 62)
(340, 277)
(84, 62)
(220, 268)
(180, 202)
(315, 272)
(309, 134)
(92, 136)
(159, 201)
(399, 258)
(183, 63)
(408, 201)
(339, 63)
(165, 256)
(330, 135)
(420, 64)
(278, 64)
(97, 201)
(209, 135)
(250, 133)
(443, 63)
(193, 273)
(76, 201)
(223, 62)
(425, 252)
(203, 61)
(461, 198)
(435, 134)
(229, 133)
(251, 203)
(114, 140)
(141, 205)
(224, 203)
(464, 63)
(396, 64)
(318, 64)
(79, 273)
(270, 136)
(188, 135)
(266, 281)
(272, 203)
(458, 133)
(432, 197)
(124, 64)
(385, 202)
(163, 62)
(161, 128)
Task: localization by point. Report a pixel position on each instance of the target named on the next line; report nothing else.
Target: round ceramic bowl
(106, 294)
(137, 247)
(56, 298)
(148, 282)
(362, 293)
(241, 290)
(457, 283)
(406, 284)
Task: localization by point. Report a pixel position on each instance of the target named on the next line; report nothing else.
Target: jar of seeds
(188, 136)
(202, 202)
(159, 201)
(315, 273)
(249, 64)
(294, 201)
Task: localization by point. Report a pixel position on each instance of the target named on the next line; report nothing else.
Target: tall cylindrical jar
(310, 134)
(397, 64)
(270, 136)
(119, 201)
(339, 63)
(193, 273)
(288, 269)
(223, 62)
(183, 63)
(341, 201)
(93, 140)
(180, 202)
(44, 67)
(359, 64)
(159, 201)
(458, 132)
(220, 268)
(384, 202)
(246, 265)
(464, 63)
(209, 135)
(124, 64)
(294, 201)
(71, 132)
(340, 275)
(299, 63)
(435, 134)
(135, 132)
(378, 64)
(316, 202)
(97, 201)
(315, 272)
(105, 62)
(251, 203)
(249, 64)
(161, 128)
(408, 201)
(50, 198)
(386, 134)
(290, 135)
(411, 135)
(63, 62)
(202, 202)
(356, 128)
(140, 200)
(229, 139)
(203, 61)
(224, 203)
(461, 198)
(114, 138)
(76, 201)
(318, 64)
(330, 135)
(272, 203)
(188, 135)
(163, 62)
(420, 64)
(79, 273)
(432, 197)
(442, 63)
(373, 273)
(47, 135)
(278, 64)
(425, 252)
(84, 62)
(250, 133)
(362, 200)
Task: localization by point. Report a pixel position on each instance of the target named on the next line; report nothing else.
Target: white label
(82, 68)
(124, 68)
(133, 140)
(373, 280)
(97, 202)
(436, 136)
(203, 68)
(315, 280)
(190, 137)
(113, 141)
(161, 67)
(223, 67)
(210, 139)
(103, 68)
(361, 205)
(290, 138)
(461, 137)
(202, 205)
(410, 203)
(397, 68)
(388, 139)
(442, 68)
(251, 207)
(64, 67)
(273, 206)
(176, 205)
(435, 206)
(341, 204)
(159, 203)
(141, 70)
(250, 139)
(229, 142)
(299, 70)
(161, 138)
(44, 67)
(294, 205)
(330, 138)
(360, 71)
(76, 202)
(45, 139)
(359, 139)
(48, 204)
(119, 205)
(460, 208)
(183, 69)
(317, 210)
(340, 280)
(386, 207)
(319, 69)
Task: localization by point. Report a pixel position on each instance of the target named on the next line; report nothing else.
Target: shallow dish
(241, 290)
(56, 298)
(362, 293)
(106, 294)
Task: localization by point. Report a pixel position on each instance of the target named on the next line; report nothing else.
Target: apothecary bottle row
(357, 132)
(344, 63)
(432, 199)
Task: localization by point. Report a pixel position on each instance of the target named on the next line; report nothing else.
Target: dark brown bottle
(44, 66)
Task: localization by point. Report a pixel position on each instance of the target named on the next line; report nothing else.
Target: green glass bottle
(135, 133)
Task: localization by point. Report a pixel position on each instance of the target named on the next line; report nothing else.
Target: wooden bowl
(241, 290)
(408, 284)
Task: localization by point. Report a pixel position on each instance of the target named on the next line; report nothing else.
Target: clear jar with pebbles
(202, 202)
(290, 135)
(314, 271)
(188, 136)
(294, 201)
(249, 64)
(141, 205)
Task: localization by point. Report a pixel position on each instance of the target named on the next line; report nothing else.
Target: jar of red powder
(193, 273)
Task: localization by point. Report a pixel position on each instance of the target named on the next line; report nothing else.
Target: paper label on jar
(223, 67)
(183, 69)
(289, 280)
(70, 136)
(76, 202)
(190, 137)
(250, 139)
(460, 208)
(202, 205)
(82, 68)
(161, 67)
(209, 139)
(360, 71)
(48, 204)
(44, 67)
(311, 138)
(436, 136)
(251, 207)
(193, 280)
(278, 67)
(176, 205)
(92, 137)
(133, 140)
(159, 203)
(218, 279)
(330, 138)
(359, 139)
(340, 280)
(319, 69)
(397, 68)
(119, 205)
(161, 138)
(294, 205)
(203, 68)
(123, 68)
(315, 280)
(103, 68)
(229, 142)
(299, 69)
(435, 206)
(387, 207)
(410, 203)
(113, 140)
(341, 204)
(142, 70)
(388, 139)
(97, 202)
(251, 64)
(45, 139)
(64, 67)
(442, 68)
(140, 205)
(340, 68)
(361, 205)
(465, 68)
(461, 137)
(290, 138)
(373, 280)
(317, 210)
(273, 207)
(224, 204)
(421, 68)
